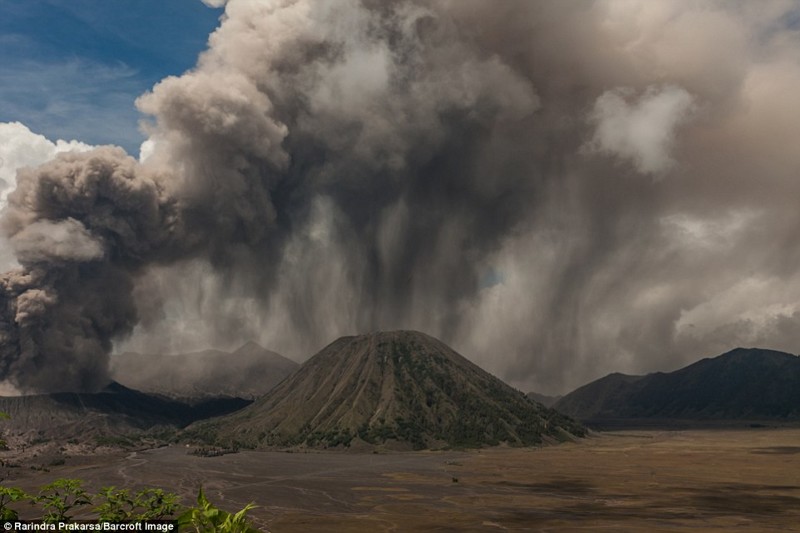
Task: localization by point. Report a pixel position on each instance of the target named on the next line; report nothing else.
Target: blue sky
(71, 69)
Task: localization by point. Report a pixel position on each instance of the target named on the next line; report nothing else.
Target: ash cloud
(466, 168)
(81, 227)
(642, 132)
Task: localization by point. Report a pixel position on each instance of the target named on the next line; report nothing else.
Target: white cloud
(147, 149)
(215, 3)
(20, 147)
(642, 130)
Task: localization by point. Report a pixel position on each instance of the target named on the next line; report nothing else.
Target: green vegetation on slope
(393, 386)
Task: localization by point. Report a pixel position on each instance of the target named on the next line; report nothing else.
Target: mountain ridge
(743, 383)
(247, 372)
(115, 410)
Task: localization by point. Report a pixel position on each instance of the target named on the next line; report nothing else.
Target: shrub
(60, 498)
(147, 504)
(10, 495)
(205, 518)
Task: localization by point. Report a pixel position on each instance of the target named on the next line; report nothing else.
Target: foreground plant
(11, 495)
(61, 497)
(60, 500)
(205, 518)
(147, 504)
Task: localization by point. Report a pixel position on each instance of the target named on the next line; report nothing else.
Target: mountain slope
(606, 397)
(544, 399)
(248, 372)
(745, 383)
(115, 410)
(391, 386)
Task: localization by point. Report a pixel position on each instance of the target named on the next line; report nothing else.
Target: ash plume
(81, 226)
(559, 190)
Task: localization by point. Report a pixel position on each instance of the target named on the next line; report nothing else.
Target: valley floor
(694, 480)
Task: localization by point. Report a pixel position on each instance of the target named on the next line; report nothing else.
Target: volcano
(401, 387)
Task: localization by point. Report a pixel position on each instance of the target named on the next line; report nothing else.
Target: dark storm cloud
(560, 190)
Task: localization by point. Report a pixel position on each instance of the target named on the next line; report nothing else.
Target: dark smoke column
(81, 226)
(385, 128)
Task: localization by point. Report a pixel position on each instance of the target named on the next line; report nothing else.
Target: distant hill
(400, 387)
(115, 410)
(248, 372)
(547, 401)
(743, 384)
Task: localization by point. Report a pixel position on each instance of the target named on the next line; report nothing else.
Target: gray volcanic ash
(565, 187)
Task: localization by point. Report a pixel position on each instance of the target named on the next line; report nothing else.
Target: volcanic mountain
(743, 384)
(115, 410)
(248, 372)
(400, 387)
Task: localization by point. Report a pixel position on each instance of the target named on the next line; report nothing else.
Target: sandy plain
(693, 480)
